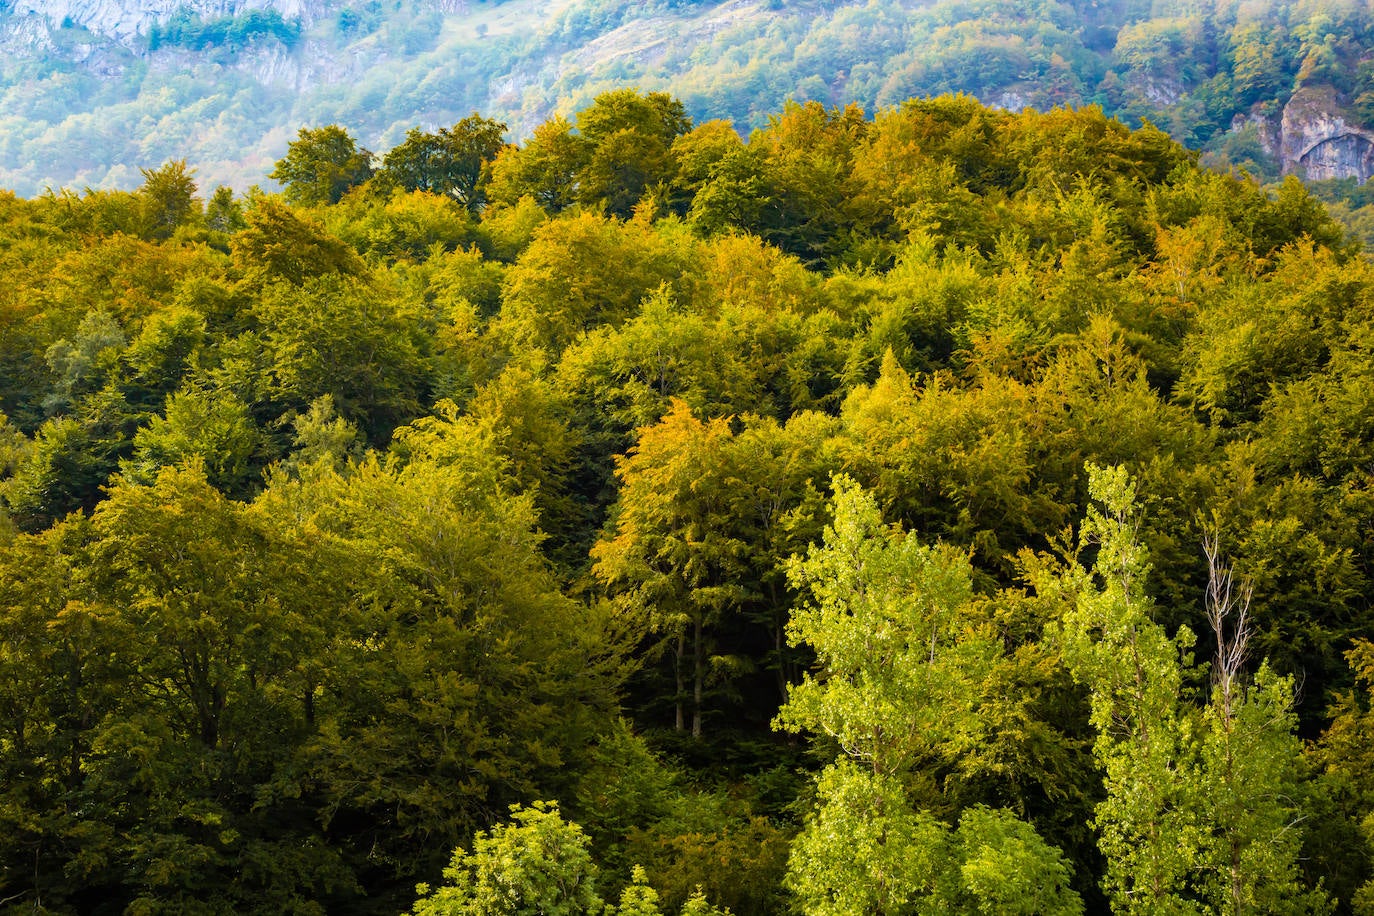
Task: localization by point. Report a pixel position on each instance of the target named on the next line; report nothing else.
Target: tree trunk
(680, 724)
(698, 675)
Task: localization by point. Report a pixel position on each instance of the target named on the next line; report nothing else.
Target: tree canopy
(944, 510)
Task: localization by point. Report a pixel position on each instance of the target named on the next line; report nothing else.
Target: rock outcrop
(1318, 138)
(124, 21)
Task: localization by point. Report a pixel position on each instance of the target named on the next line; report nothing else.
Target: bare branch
(1226, 597)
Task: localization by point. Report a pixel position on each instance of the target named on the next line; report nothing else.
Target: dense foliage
(927, 512)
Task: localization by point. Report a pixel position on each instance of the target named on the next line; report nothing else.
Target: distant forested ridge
(942, 510)
(91, 92)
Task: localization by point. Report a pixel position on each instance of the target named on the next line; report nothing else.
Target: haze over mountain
(93, 90)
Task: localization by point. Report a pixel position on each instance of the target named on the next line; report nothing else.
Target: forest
(942, 510)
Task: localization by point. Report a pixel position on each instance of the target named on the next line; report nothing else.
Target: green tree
(865, 850)
(461, 678)
(1200, 808)
(638, 898)
(535, 865)
(214, 427)
(629, 137)
(174, 688)
(321, 165)
(343, 337)
(544, 169)
(1345, 760)
(675, 550)
(222, 212)
(559, 288)
(82, 363)
(168, 196)
(704, 517)
(279, 244)
(71, 459)
(451, 161)
(903, 674)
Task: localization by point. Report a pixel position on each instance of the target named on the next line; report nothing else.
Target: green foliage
(703, 519)
(333, 531)
(638, 899)
(628, 137)
(322, 435)
(169, 198)
(188, 30)
(866, 850)
(868, 853)
(1186, 823)
(452, 161)
(1343, 758)
(278, 244)
(81, 364)
(901, 679)
(70, 460)
(344, 338)
(321, 164)
(883, 621)
(539, 864)
(163, 736)
(542, 170)
(214, 428)
(557, 289)
(401, 226)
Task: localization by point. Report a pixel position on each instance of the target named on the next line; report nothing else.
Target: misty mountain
(93, 90)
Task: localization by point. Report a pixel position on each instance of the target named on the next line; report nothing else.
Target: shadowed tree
(320, 165)
(450, 161)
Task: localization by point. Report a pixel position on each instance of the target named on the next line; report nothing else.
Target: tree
(674, 548)
(339, 336)
(281, 244)
(460, 679)
(166, 702)
(214, 427)
(696, 154)
(903, 674)
(559, 287)
(638, 898)
(222, 212)
(321, 165)
(629, 136)
(1345, 758)
(544, 169)
(865, 851)
(452, 161)
(898, 673)
(1200, 807)
(169, 198)
(1253, 763)
(704, 517)
(71, 459)
(535, 865)
(618, 152)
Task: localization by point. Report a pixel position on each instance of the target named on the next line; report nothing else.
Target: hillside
(840, 520)
(93, 90)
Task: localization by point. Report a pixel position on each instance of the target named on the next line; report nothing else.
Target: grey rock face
(125, 20)
(1320, 140)
(1350, 155)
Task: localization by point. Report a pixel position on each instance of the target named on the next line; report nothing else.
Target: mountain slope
(92, 90)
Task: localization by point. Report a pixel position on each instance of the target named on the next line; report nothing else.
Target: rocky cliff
(125, 21)
(1317, 138)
